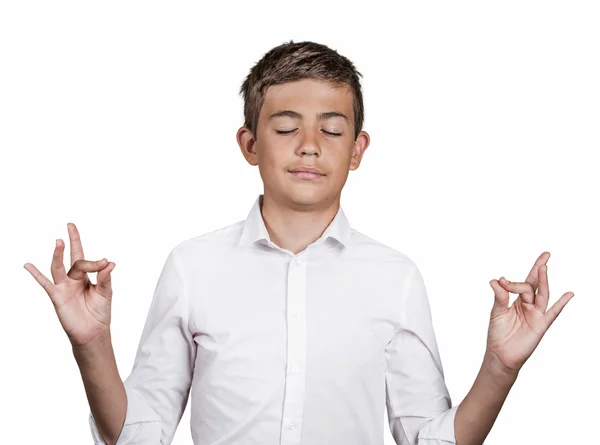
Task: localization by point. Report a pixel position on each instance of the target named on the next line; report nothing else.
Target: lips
(307, 169)
(304, 175)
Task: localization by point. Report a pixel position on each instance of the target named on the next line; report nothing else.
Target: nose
(309, 145)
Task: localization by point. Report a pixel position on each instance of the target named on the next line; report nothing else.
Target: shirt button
(292, 426)
(297, 260)
(295, 368)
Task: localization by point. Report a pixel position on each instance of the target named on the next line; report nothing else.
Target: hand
(83, 308)
(515, 332)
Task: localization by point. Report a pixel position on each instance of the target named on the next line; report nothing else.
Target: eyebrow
(296, 115)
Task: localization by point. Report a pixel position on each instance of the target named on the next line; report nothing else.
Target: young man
(290, 327)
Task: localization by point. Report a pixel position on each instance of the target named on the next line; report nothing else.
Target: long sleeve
(159, 384)
(419, 407)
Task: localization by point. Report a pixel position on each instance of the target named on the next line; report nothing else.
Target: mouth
(306, 175)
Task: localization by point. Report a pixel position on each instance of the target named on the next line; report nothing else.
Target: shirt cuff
(136, 420)
(440, 430)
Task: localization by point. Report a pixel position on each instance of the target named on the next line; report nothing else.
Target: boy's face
(308, 143)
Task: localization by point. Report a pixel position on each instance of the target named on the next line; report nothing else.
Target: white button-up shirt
(287, 349)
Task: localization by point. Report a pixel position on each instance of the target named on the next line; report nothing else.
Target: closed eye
(291, 131)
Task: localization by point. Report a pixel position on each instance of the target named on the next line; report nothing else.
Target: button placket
(296, 353)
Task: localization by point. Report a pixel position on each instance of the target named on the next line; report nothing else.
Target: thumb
(103, 280)
(501, 298)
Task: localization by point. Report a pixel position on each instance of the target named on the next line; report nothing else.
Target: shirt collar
(255, 230)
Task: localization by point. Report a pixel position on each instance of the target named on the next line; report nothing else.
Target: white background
(484, 123)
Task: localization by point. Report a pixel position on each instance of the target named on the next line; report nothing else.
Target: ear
(358, 150)
(247, 143)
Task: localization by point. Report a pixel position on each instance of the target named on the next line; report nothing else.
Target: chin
(307, 196)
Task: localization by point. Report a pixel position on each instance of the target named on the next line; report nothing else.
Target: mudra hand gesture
(515, 331)
(83, 308)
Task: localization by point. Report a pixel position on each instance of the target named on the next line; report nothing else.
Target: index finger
(532, 278)
(76, 247)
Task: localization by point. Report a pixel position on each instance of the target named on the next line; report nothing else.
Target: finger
(524, 290)
(40, 278)
(81, 268)
(557, 308)
(57, 268)
(104, 284)
(501, 298)
(75, 246)
(543, 293)
(532, 278)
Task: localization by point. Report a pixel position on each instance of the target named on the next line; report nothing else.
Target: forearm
(478, 411)
(103, 386)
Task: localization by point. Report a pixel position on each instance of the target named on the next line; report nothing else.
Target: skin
(297, 212)
(84, 311)
(513, 334)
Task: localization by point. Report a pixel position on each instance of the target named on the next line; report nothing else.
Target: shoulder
(209, 244)
(369, 248)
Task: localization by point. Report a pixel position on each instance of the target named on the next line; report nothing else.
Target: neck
(295, 227)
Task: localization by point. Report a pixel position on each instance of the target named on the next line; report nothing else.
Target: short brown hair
(294, 61)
